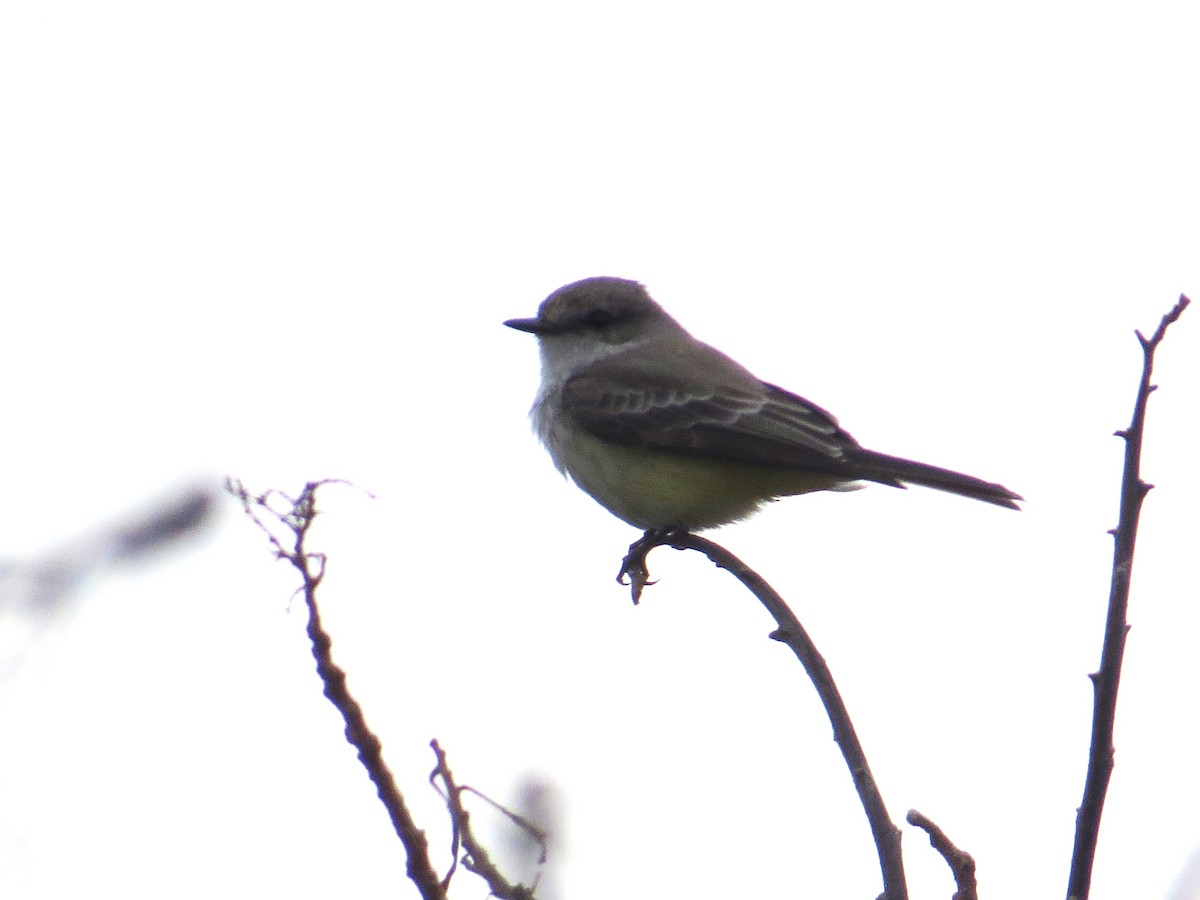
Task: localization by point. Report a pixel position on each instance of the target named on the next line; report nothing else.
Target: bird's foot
(634, 571)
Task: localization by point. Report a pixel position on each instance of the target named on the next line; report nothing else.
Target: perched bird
(667, 433)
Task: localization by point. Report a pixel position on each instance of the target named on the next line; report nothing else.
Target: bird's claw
(634, 571)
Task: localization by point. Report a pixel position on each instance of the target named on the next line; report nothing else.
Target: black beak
(532, 326)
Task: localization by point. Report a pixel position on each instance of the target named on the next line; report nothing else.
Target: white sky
(278, 239)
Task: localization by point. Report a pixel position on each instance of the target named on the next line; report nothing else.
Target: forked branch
(269, 511)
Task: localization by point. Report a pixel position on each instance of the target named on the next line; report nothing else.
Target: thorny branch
(1107, 680)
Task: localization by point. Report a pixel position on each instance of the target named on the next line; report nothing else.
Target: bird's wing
(726, 413)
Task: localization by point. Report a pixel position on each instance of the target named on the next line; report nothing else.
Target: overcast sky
(277, 240)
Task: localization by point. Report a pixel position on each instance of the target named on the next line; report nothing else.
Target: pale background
(278, 239)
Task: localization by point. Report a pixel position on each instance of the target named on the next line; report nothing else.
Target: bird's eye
(598, 318)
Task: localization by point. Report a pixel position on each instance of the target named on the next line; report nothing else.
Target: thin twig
(540, 837)
(961, 863)
(476, 859)
(297, 517)
(792, 633)
(1107, 680)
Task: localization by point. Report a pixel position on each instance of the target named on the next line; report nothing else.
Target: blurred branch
(168, 519)
(477, 859)
(41, 584)
(792, 633)
(296, 515)
(961, 863)
(1107, 680)
(36, 592)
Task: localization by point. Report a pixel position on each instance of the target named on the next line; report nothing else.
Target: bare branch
(540, 837)
(476, 859)
(1107, 680)
(961, 863)
(792, 633)
(296, 515)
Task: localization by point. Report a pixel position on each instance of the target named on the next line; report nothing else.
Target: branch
(961, 863)
(297, 517)
(1107, 680)
(476, 859)
(792, 633)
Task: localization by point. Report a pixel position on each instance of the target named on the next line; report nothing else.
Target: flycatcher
(666, 432)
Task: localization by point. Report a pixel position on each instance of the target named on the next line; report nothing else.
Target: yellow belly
(658, 489)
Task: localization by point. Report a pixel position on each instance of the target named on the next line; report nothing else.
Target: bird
(669, 434)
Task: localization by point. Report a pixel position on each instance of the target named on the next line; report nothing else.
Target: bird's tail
(897, 472)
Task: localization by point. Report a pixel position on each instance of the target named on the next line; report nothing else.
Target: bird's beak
(533, 326)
